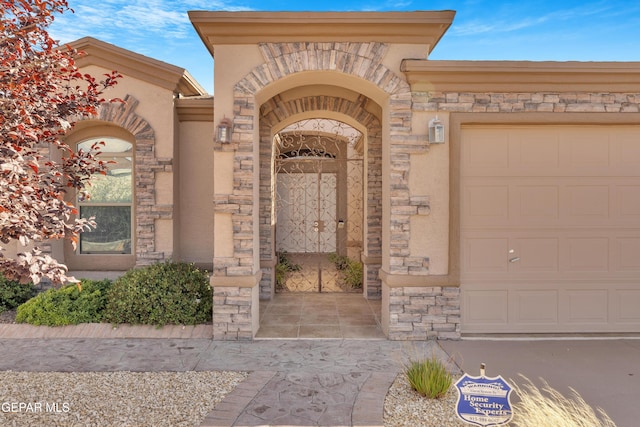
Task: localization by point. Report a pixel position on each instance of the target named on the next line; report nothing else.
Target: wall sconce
(224, 131)
(436, 131)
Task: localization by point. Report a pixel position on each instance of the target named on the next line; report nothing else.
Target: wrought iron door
(312, 228)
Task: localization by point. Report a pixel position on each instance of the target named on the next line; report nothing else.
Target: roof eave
(228, 28)
(126, 62)
(521, 76)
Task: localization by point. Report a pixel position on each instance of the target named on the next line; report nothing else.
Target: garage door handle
(515, 259)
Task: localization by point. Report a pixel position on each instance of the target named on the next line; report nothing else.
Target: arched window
(110, 200)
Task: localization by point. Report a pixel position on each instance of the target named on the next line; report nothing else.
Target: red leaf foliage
(42, 94)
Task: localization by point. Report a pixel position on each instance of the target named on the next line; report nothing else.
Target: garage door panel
(485, 254)
(487, 307)
(585, 306)
(627, 254)
(585, 203)
(586, 254)
(535, 307)
(537, 204)
(626, 306)
(626, 154)
(628, 202)
(487, 152)
(571, 221)
(536, 255)
(584, 152)
(535, 151)
(487, 204)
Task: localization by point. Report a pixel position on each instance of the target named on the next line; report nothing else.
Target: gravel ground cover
(158, 399)
(123, 399)
(405, 407)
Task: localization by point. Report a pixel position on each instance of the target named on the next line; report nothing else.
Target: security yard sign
(484, 401)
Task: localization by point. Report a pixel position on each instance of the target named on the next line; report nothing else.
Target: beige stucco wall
(156, 107)
(195, 198)
(429, 176)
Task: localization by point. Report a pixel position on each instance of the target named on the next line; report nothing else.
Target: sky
(536, 30)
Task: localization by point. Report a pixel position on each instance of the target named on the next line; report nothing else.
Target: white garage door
(550, 229)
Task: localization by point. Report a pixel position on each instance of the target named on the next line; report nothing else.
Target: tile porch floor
(320, 315)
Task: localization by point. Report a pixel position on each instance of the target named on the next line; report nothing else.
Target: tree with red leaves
(42, 93)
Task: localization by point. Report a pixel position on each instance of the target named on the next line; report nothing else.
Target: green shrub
(429, 377)
(283, 267)
(12, 293)
(351, 270)
(68, 305)
(160, 294)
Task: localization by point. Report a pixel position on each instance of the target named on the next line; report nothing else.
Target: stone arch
(275, 111)
(360, 60)
(146, 165)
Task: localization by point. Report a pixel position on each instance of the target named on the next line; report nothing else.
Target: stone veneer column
(235, 309)
(235, 284)
(420, 312)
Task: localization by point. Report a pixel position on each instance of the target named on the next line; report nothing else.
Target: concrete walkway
(291, 382)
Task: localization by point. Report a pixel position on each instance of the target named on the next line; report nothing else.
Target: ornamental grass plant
(547, 407)
(429, 377)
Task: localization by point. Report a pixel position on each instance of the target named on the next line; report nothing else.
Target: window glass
(111, 145)
(112, 233)
(110, 199)
(115, 186)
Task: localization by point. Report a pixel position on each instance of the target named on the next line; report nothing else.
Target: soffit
(228, 28)
(195, 109)
(521, 76)
(167, 76)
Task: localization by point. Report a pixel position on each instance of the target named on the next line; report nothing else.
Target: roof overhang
(229, 28)
(521, 76)
(106, 55)
(195, 109)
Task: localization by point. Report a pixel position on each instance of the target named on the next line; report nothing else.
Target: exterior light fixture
(224, 131)
(436, 131)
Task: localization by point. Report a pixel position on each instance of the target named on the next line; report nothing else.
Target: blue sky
(538, 30)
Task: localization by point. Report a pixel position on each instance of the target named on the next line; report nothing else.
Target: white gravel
(176, 399)
(405, 407)
(112, 398)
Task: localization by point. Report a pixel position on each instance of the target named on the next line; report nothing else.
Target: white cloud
(508, 19)
(115, 20)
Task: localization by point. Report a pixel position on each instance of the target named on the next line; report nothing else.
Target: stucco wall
(196, 193)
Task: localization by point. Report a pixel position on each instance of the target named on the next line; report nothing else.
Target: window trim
(113, 262)
(111, 154)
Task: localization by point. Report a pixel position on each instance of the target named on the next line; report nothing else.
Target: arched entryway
(321, 192)
(344, 82)
(321, 206)
(318, 203)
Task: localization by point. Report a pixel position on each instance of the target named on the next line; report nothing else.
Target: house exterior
(525, 219)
